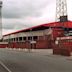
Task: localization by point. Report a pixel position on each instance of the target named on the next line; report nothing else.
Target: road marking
(5, 66)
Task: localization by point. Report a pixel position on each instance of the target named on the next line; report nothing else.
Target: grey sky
(20, 14)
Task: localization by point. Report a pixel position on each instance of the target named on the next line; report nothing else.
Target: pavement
(34, 61)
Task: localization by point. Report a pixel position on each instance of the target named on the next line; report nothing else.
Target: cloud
(23, 8)
(20, 14)
(15, 24)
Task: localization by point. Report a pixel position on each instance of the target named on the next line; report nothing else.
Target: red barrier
(3, 45)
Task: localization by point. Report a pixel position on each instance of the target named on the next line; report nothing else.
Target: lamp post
(0, 19)
(29, 49)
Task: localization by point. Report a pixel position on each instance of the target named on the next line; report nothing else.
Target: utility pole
(0, 20)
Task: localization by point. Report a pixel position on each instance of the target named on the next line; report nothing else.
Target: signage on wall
(32, 42)
(56, 42)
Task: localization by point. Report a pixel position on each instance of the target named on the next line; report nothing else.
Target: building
(45, 36)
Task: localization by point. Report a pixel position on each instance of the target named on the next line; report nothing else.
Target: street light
(0, 20)
(29, 49)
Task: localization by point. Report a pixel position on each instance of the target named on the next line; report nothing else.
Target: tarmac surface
(2, 69)
(24, 61)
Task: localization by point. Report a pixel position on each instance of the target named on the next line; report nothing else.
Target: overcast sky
(20, 14)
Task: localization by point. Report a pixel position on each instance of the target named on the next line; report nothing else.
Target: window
(16, 39)
(35, 38)
(20, 38)
(29, 38)
(13, 39)
(10, 40)
(5, 40)
(24, 38)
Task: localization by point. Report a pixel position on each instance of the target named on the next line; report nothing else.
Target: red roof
(53, 24)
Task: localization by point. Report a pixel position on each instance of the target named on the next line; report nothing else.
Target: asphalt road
(20, 61)
(2, 69)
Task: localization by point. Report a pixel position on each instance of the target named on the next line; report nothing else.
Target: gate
(63, 46)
